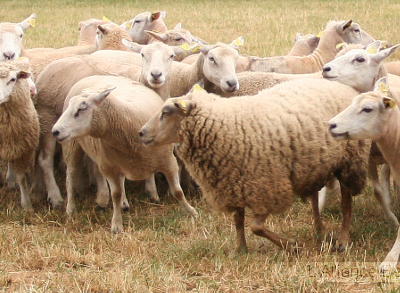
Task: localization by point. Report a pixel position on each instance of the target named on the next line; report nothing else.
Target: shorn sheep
(19, 135)
(106, 124)
(145, 21)
(336, 32)
(11, 38)
(374, 115)
(258, 152)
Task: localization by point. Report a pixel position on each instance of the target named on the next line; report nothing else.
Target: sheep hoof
(125, 207)
(241, 250)
(340, 247)
(54, 203)
(100, 209)
(387, 268)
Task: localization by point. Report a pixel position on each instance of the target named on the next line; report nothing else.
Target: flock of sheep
(254, 135)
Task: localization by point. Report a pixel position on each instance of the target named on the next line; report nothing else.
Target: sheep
(259, 151)
(54, 83)
(145, 21)
(11, 35)
(336, 32)
(361, 69)
(176, 37)
(304, 45)
(105, 125)
(19, 123)
(393, 67)
(110, 35)
(374, 115)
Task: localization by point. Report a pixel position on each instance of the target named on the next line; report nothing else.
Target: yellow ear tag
(32, 22)
(185, 47)
(238, 42)
(183, 105)
(371, 50)
(157, 32)
(340, 46)
(194, 47)
(153, 16)
(106, 19)
(22, 58)
(384, 44)
(383, 88)
(128, 24)
(389, 102)
(197, 87)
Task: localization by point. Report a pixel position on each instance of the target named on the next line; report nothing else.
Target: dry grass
(161, 250)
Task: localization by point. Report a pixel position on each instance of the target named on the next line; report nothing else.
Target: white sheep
(176, 37)
(19, 134)
(336, 32)
(304, 45)
(374, 115)
(11, 37)
(260, 151)
(106, 124)
(145, 21)
(54, 83)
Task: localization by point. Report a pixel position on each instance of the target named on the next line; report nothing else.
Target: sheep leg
(322, 194)
(382, 197)
(257, 227)
(319, 226)
(103, 193)
(23, 187)
(124, 200)
(344, 235)
(116, 182)
(73, 155)
(151, 188)
(390, 263)
(46, 163)
(11, 177)
(385, 180)
(238, 218)
(172, 177)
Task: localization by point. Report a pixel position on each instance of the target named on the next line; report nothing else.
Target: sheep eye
(178, 39)
(21, 36)
(172, 56)
(11, 80)
(367, 110)
(211, 59)
(357, 30)
(360, 59)
(82, 107)
(137, 21)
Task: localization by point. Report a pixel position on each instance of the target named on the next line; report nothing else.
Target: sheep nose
(332, 126)
(9, 55)
(156, 75)
(327, 69)
(56, 133)
(232, 85)
(141, 133)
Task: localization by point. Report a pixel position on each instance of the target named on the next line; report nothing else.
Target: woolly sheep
(374, 115)
(105, 124)
(19, 123)
(304, 45)
(145, 21)
(336, 32)
(259, 151)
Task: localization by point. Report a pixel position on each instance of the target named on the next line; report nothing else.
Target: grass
(161, 249)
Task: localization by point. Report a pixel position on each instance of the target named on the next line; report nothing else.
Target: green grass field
(161, 249)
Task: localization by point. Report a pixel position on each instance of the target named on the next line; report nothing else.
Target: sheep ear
(23, 74)
(102, 29)
(381, 85)
(184, 106)
(389, 102)
(347, 24)
(382, 55)
(178, 27)
(98, 99)
(158, 15)
(29, 22)
(135, 47)
(373, 47)
(237, 43)
(158, 36)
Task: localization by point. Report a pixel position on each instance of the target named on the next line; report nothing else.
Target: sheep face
(163, 127)
(11, 35)
(157, 60)
(220, 66)
(364, 118)
(142, 22)
(358, 68)
(108, 33)
(8, 79)
(76, 120)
